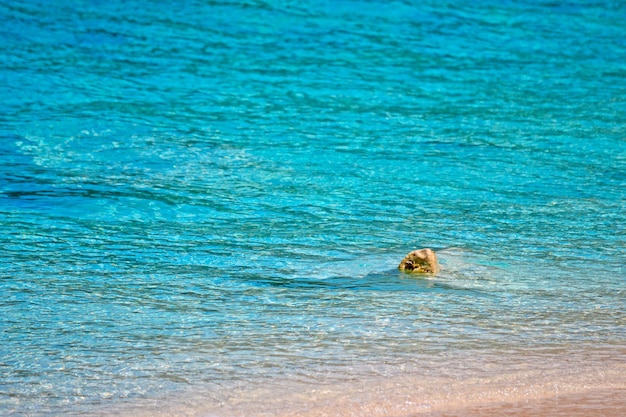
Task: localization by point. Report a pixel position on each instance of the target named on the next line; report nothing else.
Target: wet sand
(585, 384)
(606, 403)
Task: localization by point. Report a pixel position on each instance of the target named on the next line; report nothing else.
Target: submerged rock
(421, 261)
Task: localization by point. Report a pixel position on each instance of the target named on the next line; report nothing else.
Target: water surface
(202, 197)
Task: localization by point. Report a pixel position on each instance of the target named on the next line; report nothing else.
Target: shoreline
(562, 385)
(606, 403)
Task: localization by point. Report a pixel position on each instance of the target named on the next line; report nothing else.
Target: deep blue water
(209, 192)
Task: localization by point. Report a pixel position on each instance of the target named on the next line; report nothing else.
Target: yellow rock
(421, 261)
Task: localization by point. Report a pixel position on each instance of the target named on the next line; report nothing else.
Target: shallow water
(451, 384)
(199, 198)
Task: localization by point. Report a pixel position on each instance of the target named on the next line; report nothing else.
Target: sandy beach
(607, 403)
(587, 384)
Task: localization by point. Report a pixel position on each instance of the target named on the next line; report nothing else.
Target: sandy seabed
(591, 383)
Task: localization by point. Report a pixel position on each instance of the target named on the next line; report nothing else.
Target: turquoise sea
(203, 205)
